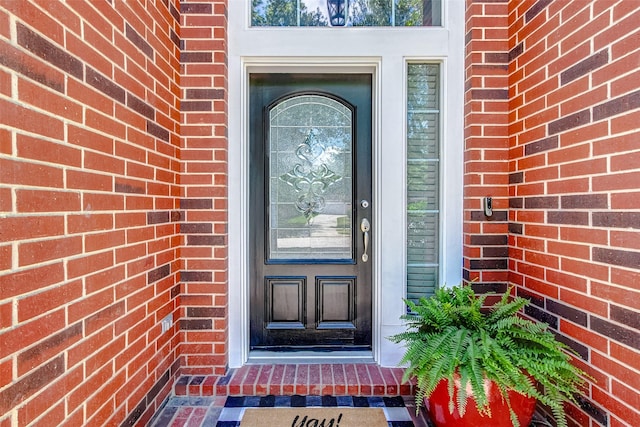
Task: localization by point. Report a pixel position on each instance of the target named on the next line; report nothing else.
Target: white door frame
(383, 52)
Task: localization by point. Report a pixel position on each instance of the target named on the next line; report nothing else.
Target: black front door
(310, 211)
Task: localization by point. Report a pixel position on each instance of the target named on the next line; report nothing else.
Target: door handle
(365, 227)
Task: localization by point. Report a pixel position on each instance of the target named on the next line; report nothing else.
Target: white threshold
(262, 357)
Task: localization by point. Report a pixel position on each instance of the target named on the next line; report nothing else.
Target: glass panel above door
(310, 183)
(355, 13)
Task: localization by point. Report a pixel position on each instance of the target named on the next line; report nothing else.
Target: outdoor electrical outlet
(166, 323)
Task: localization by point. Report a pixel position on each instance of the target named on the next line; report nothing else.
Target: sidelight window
(423, 178)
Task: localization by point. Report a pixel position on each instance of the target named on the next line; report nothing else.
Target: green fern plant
(450, 335)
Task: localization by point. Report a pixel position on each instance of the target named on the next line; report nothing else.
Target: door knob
(365, 227)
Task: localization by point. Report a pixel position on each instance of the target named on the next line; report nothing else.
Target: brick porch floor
(199, 401)
(359, 379)
(220, 411)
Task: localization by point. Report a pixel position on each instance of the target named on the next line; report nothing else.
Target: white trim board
(383, 52)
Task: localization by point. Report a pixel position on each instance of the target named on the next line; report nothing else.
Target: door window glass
(423, 179)
(310, 179)
(358, 13)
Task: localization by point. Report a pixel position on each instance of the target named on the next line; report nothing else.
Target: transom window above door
(353, 13)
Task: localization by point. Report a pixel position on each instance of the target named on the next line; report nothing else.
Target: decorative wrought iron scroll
(311, 177)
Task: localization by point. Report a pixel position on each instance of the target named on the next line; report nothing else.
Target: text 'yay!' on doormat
(314, 417)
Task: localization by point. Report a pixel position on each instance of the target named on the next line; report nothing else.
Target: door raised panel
(285, 302)
(336, 302)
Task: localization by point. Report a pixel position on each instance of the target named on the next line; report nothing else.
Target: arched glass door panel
(310, 185)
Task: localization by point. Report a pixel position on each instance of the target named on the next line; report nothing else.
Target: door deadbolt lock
(364, 204)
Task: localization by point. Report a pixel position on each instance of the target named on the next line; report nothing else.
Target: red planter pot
(438, 408)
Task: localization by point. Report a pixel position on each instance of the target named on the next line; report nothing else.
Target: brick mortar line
(83, 125)
(609, 11)
(65, 168)
(564, 132)
(93, 351)
(85, 64)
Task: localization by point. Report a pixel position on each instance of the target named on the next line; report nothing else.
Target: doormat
(395, 411)
(314, 417)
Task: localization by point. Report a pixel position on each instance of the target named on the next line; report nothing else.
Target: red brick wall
(113, 195)
(89, 190)
(203, 301)
(574, 180)
(486, 145)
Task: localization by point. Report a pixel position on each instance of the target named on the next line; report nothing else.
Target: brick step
(350, 379)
